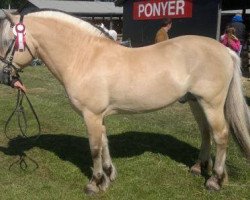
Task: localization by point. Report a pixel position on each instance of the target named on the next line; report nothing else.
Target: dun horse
(103, 78)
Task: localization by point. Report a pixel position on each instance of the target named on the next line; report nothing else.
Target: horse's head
(13, 39)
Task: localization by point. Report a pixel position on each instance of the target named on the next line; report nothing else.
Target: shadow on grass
(76, 149)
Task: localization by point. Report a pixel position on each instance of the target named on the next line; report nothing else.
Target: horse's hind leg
(219, 127)
(204, 161)
(99, 180)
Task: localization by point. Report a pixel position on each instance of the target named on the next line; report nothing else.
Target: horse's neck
(58, 45)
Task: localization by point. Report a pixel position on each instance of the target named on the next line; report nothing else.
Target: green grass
(152, 152)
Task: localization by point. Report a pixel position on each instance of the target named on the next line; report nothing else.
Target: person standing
(162, 33)
(240, 29)
(230, 40)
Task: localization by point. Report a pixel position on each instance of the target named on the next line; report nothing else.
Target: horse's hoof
(97, 184)
(104, 183)
(201, 168)
(196, 169)
(213, 184)
(91, 189)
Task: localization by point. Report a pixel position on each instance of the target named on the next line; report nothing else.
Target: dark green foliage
(14, 4)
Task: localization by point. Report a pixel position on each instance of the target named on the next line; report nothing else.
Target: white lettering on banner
(180, 6)
(141, 9)
(159, 8)
(148, 10)
(171, 8)
(164, 7)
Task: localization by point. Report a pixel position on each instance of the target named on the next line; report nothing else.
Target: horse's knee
(221, 138)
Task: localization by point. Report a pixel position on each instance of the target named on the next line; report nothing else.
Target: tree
(14, 4)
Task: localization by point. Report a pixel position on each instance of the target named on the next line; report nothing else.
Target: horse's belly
(146, 100)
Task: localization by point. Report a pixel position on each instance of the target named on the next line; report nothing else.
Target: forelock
(5, 35)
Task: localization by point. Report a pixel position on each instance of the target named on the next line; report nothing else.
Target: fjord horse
(102, 78)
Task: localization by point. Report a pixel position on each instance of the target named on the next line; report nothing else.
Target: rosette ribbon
(19, 32)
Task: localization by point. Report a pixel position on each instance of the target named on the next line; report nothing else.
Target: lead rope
(20, 112)
(19, 109)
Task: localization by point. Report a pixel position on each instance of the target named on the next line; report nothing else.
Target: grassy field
(152, 152)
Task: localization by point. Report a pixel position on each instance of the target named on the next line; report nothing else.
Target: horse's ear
(9, 17)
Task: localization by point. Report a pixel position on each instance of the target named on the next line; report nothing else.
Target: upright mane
(5, 36)
(61, 16)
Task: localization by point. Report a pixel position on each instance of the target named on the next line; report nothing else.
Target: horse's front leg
(107, 164)
(99, 180)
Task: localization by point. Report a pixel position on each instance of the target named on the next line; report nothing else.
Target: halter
(9, 55)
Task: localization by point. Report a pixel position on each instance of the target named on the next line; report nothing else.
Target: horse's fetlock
(108, 169)
(222, 177)
(106, 165)
(98, 176)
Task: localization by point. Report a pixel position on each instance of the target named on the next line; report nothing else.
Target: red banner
(158, 9)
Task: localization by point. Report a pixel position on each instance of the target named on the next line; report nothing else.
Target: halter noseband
(9, 55)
